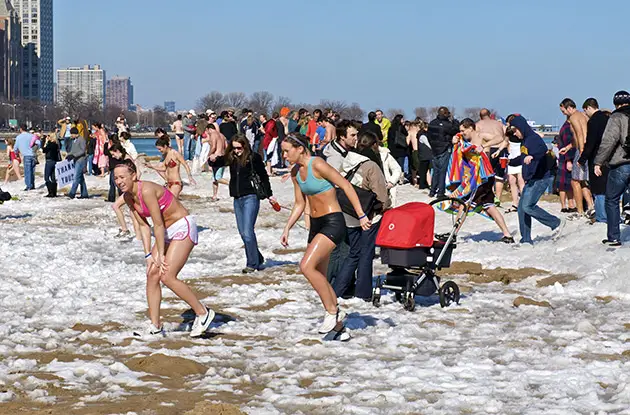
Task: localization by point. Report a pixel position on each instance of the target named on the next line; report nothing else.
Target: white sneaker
(558, 231)
(201, 323)
(331, 320)
(151, 331)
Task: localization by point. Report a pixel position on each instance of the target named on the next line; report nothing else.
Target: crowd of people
(332, 162)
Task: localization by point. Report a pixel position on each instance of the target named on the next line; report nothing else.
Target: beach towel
(467, 170)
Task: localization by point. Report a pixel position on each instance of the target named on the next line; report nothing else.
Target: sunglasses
(239, 148)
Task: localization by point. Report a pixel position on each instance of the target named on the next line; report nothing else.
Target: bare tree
(422, 113)
(71, 102)
(160, 117)
(111, 113)
(236, 100)
(260, 102)
(472, 113)
(392, 112)
(335, 105)
(281, 102)
(214, 101)
(353, 112)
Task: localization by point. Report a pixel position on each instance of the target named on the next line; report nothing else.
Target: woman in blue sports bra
(315, 180)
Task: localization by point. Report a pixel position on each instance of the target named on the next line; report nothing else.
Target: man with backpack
(614, 151)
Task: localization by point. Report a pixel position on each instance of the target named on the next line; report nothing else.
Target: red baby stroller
(412, 251)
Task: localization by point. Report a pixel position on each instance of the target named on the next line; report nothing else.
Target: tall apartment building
(36, 18)
(10, 52)
(119, 92)
(89, 80)
(169, 106)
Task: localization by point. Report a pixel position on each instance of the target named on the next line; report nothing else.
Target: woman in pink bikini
(175, 233)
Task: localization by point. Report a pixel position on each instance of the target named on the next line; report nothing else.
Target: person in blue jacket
(537, 176)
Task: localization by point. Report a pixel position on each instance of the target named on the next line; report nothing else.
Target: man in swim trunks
(495, 144)
(218, 143)
(579, 172)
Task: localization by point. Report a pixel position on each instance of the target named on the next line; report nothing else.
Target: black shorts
(499, 171)
(332, 226)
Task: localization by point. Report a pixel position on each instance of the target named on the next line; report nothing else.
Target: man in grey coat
(615, 151)
(79, 155)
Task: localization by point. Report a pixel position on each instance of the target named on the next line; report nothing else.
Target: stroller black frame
(412, 282)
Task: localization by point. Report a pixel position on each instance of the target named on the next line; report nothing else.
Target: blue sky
(521, 56)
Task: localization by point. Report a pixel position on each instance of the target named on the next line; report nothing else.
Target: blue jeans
(600, 208)
(246, 210)
(617, 184)
(29, 172)
(528, 208)
(89, 163)
(438, 178)
(360, 258)
(67, 141)
(79, 179)
(187, 147)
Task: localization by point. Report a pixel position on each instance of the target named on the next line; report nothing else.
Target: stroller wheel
(399, 297)
(449, 293)
(409, 303)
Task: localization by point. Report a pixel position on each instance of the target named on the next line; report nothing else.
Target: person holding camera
(614, 151)
(52, 151)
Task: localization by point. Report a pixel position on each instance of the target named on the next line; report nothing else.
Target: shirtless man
(169, 168)
(484, 196)
(579, 172)
(494, 144)
(218, 143)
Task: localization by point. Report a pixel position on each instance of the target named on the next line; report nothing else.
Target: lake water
(143, 145)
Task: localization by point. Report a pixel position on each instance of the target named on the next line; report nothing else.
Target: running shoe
(248, 270)
(507, 240)
(122, 234)
(576, 216)
(558, 231)
(590, 213)
(201, 323)
(613, 243)
(337, 335)
(331, 320)
(150, 331)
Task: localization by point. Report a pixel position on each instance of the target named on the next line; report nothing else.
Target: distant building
(10, 52)
(119, 93)
(89, 80)
(37, 58)
(169, 106)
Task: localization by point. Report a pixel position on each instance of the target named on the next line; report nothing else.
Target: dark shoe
(611, 243)
(571, 210)
(248, 270)
(507, 240)
(564, 210)
(70, 196)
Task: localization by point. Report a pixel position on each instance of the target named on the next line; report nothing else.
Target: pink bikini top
(164, 202)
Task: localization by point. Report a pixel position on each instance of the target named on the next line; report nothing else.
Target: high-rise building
(37, 38)
(88, 80)
(10, 52)
(119, 92)
(169, 106)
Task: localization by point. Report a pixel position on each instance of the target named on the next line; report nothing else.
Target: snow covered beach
(71, 296)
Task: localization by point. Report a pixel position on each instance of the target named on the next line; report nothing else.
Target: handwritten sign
(64, 173)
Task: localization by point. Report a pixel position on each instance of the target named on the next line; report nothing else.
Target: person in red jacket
(271, 133)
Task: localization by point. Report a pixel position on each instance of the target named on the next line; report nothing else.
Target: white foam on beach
(60, 266)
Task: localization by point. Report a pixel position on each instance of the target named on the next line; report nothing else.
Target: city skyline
(511, 57)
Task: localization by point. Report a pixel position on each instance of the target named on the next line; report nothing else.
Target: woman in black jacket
(51, 150)
(397, 142)
(244, 164)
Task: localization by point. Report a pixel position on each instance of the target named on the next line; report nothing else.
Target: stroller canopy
(408, 226)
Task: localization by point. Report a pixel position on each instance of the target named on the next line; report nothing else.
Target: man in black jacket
(596, 126)
(371, 125)
(440, 135)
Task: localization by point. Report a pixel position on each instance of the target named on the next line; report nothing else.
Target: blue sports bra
(312, 185)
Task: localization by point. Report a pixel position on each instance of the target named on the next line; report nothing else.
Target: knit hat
(621, 98)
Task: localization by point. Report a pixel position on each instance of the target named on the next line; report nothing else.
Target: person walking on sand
(175, 232)
(315, 180)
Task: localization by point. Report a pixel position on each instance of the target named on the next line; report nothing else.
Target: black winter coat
(440, 134)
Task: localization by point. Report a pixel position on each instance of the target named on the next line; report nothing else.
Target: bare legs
(177, 253)
(516, 187)
(314, 266)
(13, 167)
